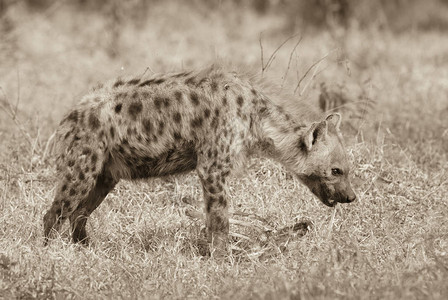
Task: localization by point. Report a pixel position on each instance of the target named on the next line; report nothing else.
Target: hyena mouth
(330, 202)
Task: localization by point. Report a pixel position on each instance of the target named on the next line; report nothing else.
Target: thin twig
(311, 79)
(264, 67)
(261, 50)
(290, 59)
(310, 68)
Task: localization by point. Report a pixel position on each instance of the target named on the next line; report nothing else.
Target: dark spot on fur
(135, 95)
(73, 116)
(225, 173)
(118, 108)
(159, 81)
(177, 117)
(129, 131)
(222, 200)
(71, 163)
(166, 102)
(209, 153)
(210, 179)
(94, 158)
(86, 151)
(263, 111)
(81, 176)
(64, 188)
(177, 136)
(214, 86)
(217, 112)
(211, 189)
(197, 122)
(66, 203)
(215, 153)
(210, 202)
(147, 125)
(206, 113)
(72, 192)
(215, 123)
(194, 98)
(240, 100)
(158, 103)
(190, 80)
(134, 109)
(224, 100)
(134, 81)
(118, 83)
(161, 127)
(94, 123)
(297, 128)
(178, 96)
(112, 132)
(254, 92)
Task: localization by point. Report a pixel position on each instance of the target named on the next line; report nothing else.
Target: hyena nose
(351, 198)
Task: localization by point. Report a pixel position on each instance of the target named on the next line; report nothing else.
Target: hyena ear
(315, 133)
(334, 119)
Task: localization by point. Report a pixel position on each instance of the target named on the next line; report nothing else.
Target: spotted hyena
(209, 121)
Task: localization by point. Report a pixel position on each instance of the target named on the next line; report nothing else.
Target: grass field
(392, 243)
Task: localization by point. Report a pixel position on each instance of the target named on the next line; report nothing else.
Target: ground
(392, 243)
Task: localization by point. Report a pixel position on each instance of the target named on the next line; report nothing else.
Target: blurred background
(374, 59)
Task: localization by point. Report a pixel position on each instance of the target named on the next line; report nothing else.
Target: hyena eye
(336, 171)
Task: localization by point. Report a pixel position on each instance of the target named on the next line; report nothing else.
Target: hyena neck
(278, 133)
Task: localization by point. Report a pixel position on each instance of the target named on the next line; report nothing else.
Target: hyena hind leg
(75, 185)
(78, 219)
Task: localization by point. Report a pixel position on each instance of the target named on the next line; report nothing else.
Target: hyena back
(209, 121)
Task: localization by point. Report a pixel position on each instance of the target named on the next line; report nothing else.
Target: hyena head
(325, 168)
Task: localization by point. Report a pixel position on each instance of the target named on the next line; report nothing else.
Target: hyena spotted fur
(209, 121)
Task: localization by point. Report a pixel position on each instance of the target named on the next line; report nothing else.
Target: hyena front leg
(213, 178)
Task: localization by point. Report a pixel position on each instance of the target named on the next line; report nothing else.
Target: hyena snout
(346, 195)
(349, 197)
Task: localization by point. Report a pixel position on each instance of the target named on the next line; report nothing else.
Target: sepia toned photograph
(224, 149)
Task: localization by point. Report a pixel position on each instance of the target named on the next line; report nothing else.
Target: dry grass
(393, 243)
